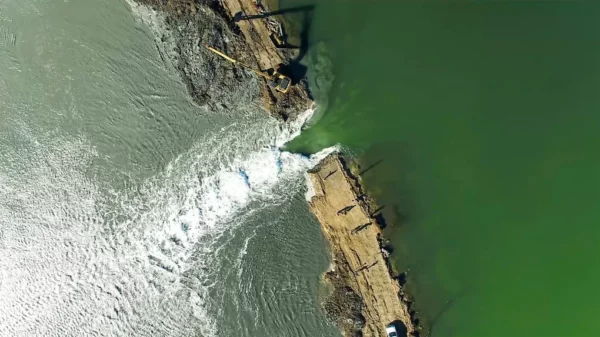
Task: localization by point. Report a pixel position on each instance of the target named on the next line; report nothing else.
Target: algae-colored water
(479, 123)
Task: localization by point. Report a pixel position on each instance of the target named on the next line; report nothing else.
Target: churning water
(126, 210)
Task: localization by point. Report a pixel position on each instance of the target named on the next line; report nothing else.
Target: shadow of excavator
(445, 308)
(295, 70)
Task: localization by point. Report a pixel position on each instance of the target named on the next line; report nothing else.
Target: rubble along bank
(213, 82)
(366, 297)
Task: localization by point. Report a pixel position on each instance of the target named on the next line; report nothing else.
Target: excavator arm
(277, 81)
(234, 61)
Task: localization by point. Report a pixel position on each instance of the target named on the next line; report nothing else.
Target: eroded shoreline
(366, 295)
(214, 82)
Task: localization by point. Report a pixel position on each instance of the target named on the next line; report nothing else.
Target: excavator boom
(234, 61)
(277, 81)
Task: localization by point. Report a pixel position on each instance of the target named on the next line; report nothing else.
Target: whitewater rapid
(119, 263)
(83, 255)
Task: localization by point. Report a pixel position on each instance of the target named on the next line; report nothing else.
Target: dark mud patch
(211, 81)
(343, 306)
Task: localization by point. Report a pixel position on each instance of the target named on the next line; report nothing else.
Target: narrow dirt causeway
(358, 260)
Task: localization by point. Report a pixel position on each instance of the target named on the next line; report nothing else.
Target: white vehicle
(391, 331)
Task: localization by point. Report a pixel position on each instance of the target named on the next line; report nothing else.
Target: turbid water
(125, 209)
(478, 122)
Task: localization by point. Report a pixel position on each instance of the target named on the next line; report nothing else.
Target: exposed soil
(212, 81)
(366, 295)
(361, 267)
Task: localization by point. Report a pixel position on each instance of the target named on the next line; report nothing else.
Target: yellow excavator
(274, 79)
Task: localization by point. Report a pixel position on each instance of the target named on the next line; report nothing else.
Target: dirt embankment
(214, 82)
(366, 296)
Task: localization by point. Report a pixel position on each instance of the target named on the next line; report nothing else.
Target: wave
(80, 257)
(84, 259)
(181, 213)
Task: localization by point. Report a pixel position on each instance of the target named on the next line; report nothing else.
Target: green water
(483, 122)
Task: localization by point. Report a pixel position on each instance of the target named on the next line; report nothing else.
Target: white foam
(295, 127)
(317, 157)
(78, 260)
(310, 189)
(119, 263)
(223, 190)
(183, 211)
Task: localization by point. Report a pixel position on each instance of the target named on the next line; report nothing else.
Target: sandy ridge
(358, 258)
